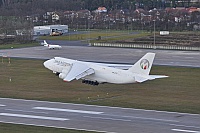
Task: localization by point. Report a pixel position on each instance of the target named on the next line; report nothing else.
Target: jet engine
(62, 75)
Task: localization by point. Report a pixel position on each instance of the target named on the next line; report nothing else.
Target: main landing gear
(90, 82)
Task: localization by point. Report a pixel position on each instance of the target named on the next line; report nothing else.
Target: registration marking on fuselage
(33, 117)
(186, 131)
(68, 110)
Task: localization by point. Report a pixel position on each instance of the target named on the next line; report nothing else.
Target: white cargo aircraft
(51, 46)
(95, 73)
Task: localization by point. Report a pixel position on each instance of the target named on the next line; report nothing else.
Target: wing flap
(78, 70)
(85, 73)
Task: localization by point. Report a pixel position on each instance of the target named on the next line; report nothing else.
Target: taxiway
(101, 54)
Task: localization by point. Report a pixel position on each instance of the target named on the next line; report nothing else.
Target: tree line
(29, 7)
(13, 12)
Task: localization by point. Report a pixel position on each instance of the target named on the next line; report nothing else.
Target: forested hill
(67, 4)
(28, 7)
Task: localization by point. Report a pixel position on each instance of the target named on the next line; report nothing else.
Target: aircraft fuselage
(102, 74)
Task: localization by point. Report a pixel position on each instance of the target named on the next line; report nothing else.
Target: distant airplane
(50, 46)
(95, 73)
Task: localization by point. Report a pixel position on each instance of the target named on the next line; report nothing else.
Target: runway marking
(145, 118)
(184, 126)
(186, 131)
(68, 110)
(107, 118)
(26, 111)
(189, 57)
(33, 116)
(1, 105)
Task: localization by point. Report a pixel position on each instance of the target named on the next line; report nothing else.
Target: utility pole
(154, 34)
(3, 2)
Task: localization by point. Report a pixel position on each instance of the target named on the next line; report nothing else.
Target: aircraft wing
(78, 70)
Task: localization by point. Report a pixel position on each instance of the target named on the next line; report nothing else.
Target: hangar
(47, 29)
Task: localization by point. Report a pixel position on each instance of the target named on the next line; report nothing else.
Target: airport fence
(145, 46)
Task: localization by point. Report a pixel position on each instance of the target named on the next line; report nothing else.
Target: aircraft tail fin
(143, 66)
(45, 43)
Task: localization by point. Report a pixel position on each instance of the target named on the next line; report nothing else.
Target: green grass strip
(13, 46)
(28, 79)
(13, 128)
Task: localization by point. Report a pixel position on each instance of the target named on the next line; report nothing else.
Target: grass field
(106, 36)
(12, 128)
(8, 46)
(28, 79)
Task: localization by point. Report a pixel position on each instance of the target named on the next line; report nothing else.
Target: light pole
(154, 34)
(157, 18)
(89, 29)
(69, 34)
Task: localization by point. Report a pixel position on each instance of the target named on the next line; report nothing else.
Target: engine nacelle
(62, 75)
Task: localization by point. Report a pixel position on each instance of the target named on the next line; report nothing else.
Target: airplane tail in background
(45, 43)
(143, 66)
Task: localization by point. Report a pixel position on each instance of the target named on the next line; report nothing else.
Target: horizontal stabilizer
(140, 78)
(157, 76)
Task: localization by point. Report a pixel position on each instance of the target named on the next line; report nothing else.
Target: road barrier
(145, 46)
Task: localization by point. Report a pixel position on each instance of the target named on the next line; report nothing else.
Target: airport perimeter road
(112, 55)
(96, 118)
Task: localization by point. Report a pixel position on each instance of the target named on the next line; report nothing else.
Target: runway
(110, 55)
(96, 118)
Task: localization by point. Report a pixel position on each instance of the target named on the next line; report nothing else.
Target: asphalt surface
(110, 55)
(96, 118)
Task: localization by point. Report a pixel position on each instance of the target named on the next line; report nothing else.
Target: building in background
(48, 29)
